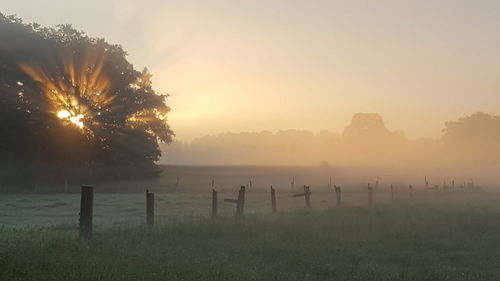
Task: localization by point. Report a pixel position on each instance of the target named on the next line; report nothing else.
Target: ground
(443, 237)
(434, 236)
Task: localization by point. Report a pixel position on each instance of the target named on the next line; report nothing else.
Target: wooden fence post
(411, 192)
(370, 194)
(337, 194)
(86, 211)
(214, 204)
(306, 194)
(150, 208)
(273, 199)
(240, 202)
(392, 194)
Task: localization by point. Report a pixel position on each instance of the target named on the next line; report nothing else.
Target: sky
(288, 64)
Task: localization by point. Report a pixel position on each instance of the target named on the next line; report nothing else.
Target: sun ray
(78, 94)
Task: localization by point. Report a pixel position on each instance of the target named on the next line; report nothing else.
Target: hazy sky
(270, 65)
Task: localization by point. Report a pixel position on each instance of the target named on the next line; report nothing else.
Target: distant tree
(73, 105)
(369, 128)
(478, 128)
(365, 125)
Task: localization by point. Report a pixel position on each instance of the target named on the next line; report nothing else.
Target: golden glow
(62, 114)
(80, 92)
(80, 95)
(75, 119)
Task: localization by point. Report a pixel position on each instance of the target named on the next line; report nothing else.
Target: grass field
(184, 194)
(436, 236)
(445, 238)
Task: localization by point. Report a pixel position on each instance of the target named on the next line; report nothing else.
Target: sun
(76, 119)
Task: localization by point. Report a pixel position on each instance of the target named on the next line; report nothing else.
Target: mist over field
(469, 147)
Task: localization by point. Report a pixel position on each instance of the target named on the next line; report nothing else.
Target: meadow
(182, 193)
(435, 236)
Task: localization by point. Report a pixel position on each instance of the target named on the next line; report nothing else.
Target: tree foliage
(478, 128)
(72, 105)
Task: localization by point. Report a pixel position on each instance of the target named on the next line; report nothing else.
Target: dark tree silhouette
(73, 106)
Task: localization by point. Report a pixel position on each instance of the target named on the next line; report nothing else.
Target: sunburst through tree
(76, 99)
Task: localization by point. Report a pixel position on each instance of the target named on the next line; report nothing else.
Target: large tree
(73, 106)
(476, 129)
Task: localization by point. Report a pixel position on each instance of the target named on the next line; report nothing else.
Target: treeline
(471, 144)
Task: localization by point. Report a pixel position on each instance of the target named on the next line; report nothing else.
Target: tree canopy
(476, 129)
(72, 105)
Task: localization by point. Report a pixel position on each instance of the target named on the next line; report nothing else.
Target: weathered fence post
(392, 194)
(273, 199)
(337, 194)
(86, 211)
(214, 204)
(370, 194)
(240, 202)
(411, 191)
(307, 196)
(150, 208)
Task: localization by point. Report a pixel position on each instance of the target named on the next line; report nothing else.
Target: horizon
(338, 132)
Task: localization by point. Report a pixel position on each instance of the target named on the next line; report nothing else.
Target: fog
(468, 149)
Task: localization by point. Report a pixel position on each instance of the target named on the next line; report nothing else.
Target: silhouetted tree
(72, 105)
(370, 128)
(475, 129)
(365, 126)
